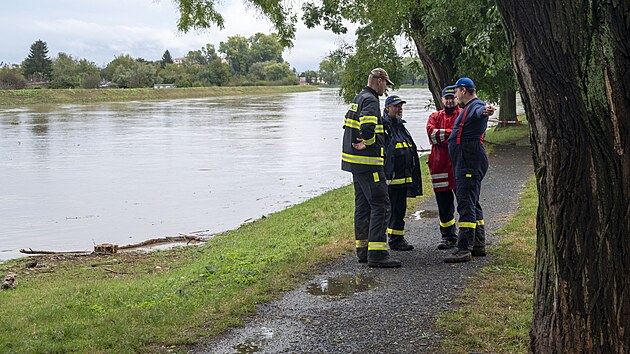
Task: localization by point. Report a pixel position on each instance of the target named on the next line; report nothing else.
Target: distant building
(107, 84)
(303, 80)
(160, 86)
(180, 60)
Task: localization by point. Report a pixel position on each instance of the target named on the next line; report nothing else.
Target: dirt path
(365, 310)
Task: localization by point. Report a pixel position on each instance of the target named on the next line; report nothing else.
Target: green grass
(131, 303)
(516, 134)
(494, 315)
(11, 98)
(140, 302)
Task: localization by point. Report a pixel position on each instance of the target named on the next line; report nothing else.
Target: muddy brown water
(72, 176)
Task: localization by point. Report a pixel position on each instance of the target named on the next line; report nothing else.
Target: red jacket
(439, 128)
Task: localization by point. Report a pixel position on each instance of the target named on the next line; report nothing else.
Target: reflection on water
(424, 214)
(73, 176)
(255, 343)
(342, 285)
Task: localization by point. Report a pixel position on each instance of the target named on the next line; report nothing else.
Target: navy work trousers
(470, 164)
(446, 210)
(371, 207)
(396, 224)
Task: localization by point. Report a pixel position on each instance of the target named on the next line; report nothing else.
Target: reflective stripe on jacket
(439, 127)
(363, 121)
(402, 165)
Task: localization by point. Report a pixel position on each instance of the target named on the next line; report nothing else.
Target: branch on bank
(169, 239)
(108, 248)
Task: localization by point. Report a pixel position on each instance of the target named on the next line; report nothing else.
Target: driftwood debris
(32, 251)
(9, 282)
(168, 239)
(108, 248)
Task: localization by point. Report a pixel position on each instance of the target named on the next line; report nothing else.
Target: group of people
(383, 159)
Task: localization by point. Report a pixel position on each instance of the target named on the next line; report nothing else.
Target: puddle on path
(424, 214)
(255, 343)
(343, 285)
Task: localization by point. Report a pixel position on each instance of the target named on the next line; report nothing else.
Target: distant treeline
(240, 61)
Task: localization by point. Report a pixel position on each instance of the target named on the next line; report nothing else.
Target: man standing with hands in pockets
(363, 156)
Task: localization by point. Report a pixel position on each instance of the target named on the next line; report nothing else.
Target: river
(77, 175)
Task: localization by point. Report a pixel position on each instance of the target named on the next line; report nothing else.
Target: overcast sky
(100, 30)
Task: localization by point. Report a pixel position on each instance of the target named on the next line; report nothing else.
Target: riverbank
(171, 299)
(13, 98)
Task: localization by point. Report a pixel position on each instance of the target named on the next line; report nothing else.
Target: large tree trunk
(507, 108)
(439, 74)
(572, 60)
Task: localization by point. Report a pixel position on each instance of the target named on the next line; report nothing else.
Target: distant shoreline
(19, 98)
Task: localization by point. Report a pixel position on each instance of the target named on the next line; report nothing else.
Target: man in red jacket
(439, 128)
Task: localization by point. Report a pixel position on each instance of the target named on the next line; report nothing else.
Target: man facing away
(363, 155)
(439, 127)
(402, 170)
(470, 164)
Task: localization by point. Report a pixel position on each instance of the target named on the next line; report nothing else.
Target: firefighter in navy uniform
(363, 155)
(402, 170)
(470, 164)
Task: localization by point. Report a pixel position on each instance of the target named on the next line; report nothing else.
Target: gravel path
(381, 310)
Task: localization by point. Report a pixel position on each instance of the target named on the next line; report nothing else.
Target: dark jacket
(363, 120)
(402, 165)
(471, 123)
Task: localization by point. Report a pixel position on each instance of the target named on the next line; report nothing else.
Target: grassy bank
(10, 98)
(130, 303)
(494, 314)
(168, 299)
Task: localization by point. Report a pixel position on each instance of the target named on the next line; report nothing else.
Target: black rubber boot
(447, 243)
(479, 246)
(459, 256)
(386, 262)
(399, 243)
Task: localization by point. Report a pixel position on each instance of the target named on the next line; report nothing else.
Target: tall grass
(495, 313)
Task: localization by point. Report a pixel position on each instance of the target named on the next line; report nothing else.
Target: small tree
(216, 73)
(371, 52)
(277, 71)
(236, 50)
(68, 72)
(166, 59)
(310, 76)
(332, 66)
(11, 78)
(37, 66)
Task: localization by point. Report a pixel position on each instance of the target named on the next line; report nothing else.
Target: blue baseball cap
(393, 99)
(448, 91)
(466, 82)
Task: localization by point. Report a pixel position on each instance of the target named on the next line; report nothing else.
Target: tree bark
(572, 61)
(507, 108)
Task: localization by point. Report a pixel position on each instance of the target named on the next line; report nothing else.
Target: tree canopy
(445, 47)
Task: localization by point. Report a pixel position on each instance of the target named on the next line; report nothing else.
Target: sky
(100, 30)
